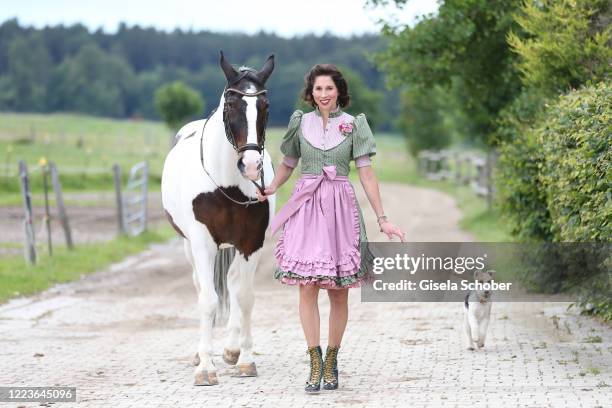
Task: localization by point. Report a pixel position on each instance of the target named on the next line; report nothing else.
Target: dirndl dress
(323, 240)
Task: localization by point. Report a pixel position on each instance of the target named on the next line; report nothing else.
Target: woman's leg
(338, 315)
(309, 314)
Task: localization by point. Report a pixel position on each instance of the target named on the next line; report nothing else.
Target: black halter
(232, 140)
(228, 130)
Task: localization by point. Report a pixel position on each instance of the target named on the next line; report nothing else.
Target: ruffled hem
(325, 282)
(356, 280)
(347, 265)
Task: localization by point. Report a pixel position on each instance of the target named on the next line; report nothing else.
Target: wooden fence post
(471, 169)
(467, 174)
(145, 197)
(43, 169)
(458, 167)
(61, 209)
(30, 244)
(119, 199)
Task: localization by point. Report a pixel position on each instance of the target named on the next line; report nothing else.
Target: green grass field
(80, 143)
(83, 147)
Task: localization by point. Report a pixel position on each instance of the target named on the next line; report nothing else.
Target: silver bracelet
(382, 217)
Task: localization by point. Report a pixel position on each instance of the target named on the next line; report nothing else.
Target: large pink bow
(299, 198)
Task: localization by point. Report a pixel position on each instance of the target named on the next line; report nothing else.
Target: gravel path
(125, 338)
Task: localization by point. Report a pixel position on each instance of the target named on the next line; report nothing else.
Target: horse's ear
(267, 69)
(228, 70)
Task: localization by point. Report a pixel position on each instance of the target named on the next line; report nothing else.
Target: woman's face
(325, 93)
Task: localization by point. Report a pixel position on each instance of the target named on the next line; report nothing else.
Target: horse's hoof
(196, 359)
(206, 378)
(230, 357)
(246, 370)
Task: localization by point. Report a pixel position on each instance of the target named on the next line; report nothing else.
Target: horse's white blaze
(251, 158)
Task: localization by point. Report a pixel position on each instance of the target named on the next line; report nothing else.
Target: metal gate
(134, 200)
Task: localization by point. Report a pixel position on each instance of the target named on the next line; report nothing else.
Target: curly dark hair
(332, 71)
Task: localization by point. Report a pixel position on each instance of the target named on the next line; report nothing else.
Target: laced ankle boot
(316, 369)
(330, 368)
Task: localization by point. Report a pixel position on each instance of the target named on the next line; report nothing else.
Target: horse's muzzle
(250, 172)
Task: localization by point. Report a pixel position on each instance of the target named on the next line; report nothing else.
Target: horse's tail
(223, 260)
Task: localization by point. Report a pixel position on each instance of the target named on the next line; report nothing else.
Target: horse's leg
(203, 250)
(246, 300)
(232, 346)
(189, 256)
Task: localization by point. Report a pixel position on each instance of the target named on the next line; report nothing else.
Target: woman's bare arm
(281, 175)
(283, 172)
(370, 185)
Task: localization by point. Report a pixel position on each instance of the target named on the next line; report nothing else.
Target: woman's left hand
(392, 230)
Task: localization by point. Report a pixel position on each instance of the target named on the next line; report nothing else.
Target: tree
(95, 82)
(466, 40)
(132, 63)
(421, 121)
(176, 103)
(25, 86)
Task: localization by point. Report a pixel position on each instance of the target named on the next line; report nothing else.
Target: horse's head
(245, 113)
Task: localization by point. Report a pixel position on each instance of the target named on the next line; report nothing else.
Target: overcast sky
(286, 18)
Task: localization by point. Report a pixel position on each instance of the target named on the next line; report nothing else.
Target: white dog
(477, 306)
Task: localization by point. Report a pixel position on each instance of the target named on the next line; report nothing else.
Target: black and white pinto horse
(208, 193)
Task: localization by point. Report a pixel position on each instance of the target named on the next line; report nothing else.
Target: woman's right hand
(268, 190)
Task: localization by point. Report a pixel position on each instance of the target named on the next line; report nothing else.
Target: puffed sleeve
(363, 139)
(290, 146)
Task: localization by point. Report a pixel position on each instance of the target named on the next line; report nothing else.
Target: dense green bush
(563, 44)
(521, 196)
(555, 183)
(576, 140)
(554, 176)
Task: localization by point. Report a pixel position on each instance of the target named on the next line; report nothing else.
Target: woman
(323, 225)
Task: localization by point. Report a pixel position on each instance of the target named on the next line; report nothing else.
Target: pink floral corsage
(346, 128)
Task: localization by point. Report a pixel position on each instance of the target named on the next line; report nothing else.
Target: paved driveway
(125, 337)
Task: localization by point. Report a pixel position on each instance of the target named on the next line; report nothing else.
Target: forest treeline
(73, 69)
